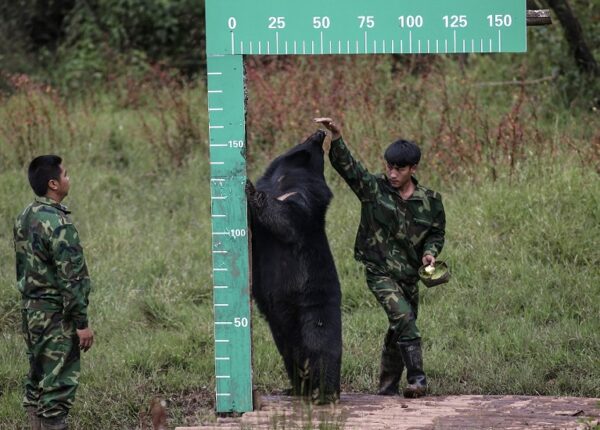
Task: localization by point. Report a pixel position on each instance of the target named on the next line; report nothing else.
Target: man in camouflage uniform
(402, 226)
(53, 279)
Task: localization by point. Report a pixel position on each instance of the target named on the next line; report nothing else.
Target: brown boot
(34, 420)
(391, 367)
(413, 359)
(55, 423)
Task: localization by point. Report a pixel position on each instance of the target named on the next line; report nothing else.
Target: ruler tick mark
(321, 43)
(454, 40)
(499, 41)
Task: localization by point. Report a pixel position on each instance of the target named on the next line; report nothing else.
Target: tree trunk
(574, 34)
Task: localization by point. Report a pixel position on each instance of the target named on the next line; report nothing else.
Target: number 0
(232, 23)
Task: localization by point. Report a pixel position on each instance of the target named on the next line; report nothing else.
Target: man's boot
(391, 367)
(56, 423)
(34, 420)
(413, 360)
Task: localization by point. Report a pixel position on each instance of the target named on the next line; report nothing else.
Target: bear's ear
(298, 159)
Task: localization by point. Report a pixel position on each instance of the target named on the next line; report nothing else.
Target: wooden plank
(538, 17)
(365, 412)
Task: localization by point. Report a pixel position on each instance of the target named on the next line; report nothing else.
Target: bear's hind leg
(287, 338)
(321, 350)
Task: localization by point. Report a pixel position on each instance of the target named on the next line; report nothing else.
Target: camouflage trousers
(54, 365)
(400, 302)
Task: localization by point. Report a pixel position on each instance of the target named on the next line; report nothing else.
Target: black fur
(294, 280)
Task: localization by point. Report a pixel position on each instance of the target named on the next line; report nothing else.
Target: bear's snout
(318, 137)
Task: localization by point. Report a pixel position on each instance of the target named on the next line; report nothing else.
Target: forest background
(512, 141)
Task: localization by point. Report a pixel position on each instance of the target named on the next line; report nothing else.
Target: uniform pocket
(419, 227)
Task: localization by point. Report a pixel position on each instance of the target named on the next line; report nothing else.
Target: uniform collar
(49, 202)
(418, 194)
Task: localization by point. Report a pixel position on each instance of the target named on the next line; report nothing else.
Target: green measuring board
(312, 27)
(235, 28)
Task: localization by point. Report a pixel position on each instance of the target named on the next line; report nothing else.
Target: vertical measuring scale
(231, 297)
(235, 28)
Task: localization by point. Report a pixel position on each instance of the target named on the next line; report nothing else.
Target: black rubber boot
(413, 359)
(57, 423)
(391, 367)
(34, 420)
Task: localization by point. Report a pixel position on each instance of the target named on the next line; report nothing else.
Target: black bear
(294, 279)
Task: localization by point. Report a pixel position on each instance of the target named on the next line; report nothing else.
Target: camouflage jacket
(51, 271)
(394, 233)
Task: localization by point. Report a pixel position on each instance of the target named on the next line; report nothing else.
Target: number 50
(240, 322)
(321, 22)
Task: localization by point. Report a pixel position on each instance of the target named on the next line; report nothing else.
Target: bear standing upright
(294, 279)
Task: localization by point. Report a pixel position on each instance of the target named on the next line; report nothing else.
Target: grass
(520, 315)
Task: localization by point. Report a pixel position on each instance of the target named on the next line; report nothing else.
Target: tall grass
(518, 173)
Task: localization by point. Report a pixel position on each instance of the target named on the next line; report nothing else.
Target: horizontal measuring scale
(314, 27)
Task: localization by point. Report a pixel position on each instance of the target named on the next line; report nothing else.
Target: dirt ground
(364, 412)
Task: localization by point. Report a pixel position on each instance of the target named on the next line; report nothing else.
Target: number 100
(411, 21)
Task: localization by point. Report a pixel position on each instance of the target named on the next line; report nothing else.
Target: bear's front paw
(255, 198)
(250, 190)
(260, 199)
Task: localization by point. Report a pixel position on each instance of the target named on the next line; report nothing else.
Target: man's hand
(428, 260)
(328, 123)
(86, 338)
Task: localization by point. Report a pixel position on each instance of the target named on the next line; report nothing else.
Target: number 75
(366, 21)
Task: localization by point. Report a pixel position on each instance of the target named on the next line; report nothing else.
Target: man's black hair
(41, 170)
(402, 153)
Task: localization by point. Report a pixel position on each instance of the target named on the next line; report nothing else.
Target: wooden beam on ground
(358, 411)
